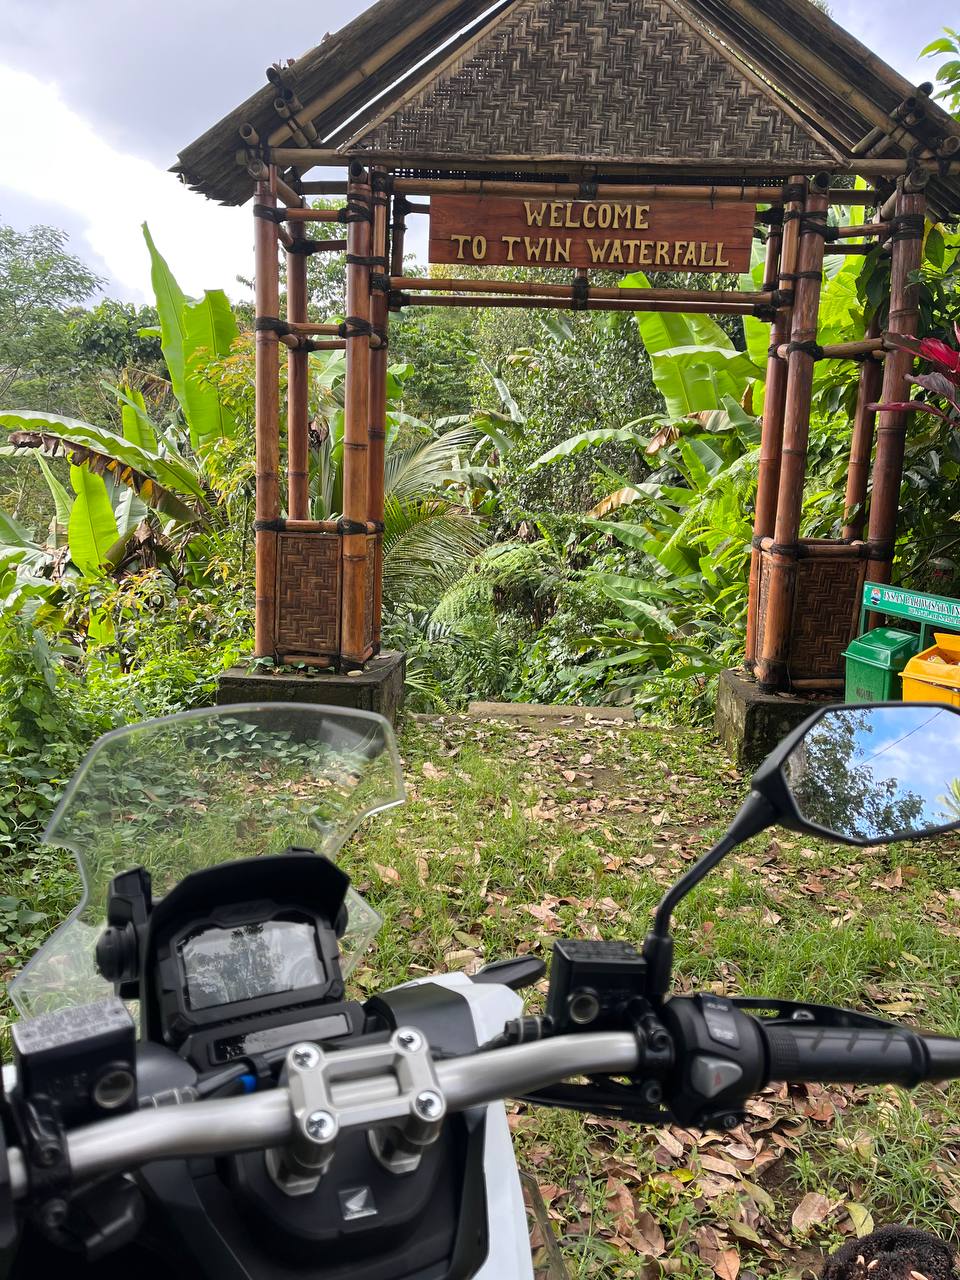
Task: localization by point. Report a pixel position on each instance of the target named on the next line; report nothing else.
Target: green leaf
(171, 301)
(694, 361)
(137, 427)
(61, 499)
(162, 482)
(92, 529)
(935, 248)
(587, 439)
(209, 330)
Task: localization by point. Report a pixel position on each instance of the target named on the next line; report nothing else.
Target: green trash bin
(874, 663)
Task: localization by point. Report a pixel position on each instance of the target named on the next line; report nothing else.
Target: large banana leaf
(171, 301)
(162, 482)
(587, 439)
(694, 362)
(209, 330)
(92, 530)
(137, 427)
(62, 502)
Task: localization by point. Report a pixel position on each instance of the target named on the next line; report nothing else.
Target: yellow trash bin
(934, 674)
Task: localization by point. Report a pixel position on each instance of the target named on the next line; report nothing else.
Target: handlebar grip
(808, 1053)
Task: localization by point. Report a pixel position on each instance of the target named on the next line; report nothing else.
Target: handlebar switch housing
(720, 1057)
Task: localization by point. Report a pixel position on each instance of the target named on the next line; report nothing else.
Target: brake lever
(774, 1012)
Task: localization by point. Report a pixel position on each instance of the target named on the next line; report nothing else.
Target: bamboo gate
(319, 583)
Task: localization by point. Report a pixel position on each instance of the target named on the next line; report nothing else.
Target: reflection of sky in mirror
(900, 766)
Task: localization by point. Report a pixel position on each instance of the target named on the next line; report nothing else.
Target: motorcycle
(261, 1122)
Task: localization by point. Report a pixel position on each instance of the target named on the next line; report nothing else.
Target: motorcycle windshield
(190, 791)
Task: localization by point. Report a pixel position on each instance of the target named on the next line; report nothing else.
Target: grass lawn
(513, 837)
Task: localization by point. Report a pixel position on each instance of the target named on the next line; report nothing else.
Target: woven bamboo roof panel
(622, 81)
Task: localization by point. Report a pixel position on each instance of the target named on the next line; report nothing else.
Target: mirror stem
(755, 816)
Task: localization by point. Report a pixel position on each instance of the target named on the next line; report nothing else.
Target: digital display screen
(222, 966)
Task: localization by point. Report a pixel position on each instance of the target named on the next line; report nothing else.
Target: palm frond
(427, 544)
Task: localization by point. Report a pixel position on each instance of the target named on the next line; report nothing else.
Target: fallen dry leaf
(727, 1266)
(389, 875)
(810, 1212)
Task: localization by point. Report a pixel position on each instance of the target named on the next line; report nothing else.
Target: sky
(98, 97)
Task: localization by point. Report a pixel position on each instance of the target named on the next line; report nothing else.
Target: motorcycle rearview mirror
(862, 775)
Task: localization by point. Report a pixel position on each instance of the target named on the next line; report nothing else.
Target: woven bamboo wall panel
(308, 593)
(619, 79)
(826, 611)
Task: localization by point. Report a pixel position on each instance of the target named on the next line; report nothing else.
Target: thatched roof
(727, 88)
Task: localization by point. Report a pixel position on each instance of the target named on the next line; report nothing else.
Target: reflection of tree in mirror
(834, 786)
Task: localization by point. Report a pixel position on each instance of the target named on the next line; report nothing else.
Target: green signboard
(931, 611)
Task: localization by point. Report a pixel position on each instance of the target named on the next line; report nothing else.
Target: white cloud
(55, 156)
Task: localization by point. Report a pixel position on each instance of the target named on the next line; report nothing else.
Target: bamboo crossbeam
(324, 188)
(304, 157)
(311, 215)
(611, 191)
(267, 413)
(842, 350)
(568, 304)
(295, 342)
(530, 288)
(848, 250)
(865, 229)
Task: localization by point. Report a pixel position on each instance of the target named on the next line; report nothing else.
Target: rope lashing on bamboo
(379, 283)
(359, 208)
(307, 247)
(810, 348)
(794, 192)
(359, 260)
(272, 324)
(383, 336)
(908, 226)
(812, 225)
(378, 525)
(581, 293)
(270, 214)
(355, 327)
(772, 217)
(380, 181)
(269, 526)
(351, 527)
(588, 189)
(765, 311)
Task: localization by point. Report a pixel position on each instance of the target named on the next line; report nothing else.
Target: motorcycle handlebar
(801, 1052)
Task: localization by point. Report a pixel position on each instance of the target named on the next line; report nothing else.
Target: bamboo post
(353, 645)
(861, 443)
(907, 253)
(377, 433)
(267, 295)
(298, 387)
(398, 233)
(780, 264)
(772, 668)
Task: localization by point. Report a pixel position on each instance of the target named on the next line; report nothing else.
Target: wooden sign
(665, 235)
